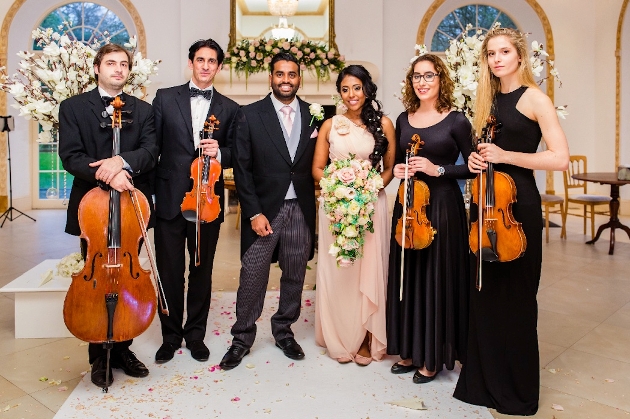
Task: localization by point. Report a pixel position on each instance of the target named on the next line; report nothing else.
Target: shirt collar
(191, 84)
(279, 105)
(102, 92)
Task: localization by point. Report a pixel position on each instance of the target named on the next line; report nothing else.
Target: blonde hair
(445, 96)
(489, 84)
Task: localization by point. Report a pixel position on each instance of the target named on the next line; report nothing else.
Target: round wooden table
(607, 178)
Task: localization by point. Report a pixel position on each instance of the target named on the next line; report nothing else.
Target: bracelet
(254, 216)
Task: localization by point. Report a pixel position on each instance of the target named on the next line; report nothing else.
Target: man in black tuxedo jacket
(85, 149)
(180, 113)
(272, 171)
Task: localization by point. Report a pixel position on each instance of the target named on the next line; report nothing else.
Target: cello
(501, 237)
(112, 224)
(413, 221)
(201, 204)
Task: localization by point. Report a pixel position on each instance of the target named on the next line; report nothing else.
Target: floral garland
(462, 60)
(349, 189)
(253, 56)
(64, 69)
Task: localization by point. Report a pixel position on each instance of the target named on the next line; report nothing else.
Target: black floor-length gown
(429, 326)
(502, 368)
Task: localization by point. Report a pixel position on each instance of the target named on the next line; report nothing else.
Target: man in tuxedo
(180, 113)
(272, 171)
(85, 149)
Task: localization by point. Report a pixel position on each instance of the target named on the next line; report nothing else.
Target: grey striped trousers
(291, 233)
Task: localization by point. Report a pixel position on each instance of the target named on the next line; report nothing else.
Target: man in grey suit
(180, 113)
(273, 154)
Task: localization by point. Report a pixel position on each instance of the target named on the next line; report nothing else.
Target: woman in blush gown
(502, 366)
(428, 326)
(350, 300)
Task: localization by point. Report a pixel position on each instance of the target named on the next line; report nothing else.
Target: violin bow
(150, 253)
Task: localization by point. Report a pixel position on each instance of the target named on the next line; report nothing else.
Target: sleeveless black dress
(430, 324)
(502, 367)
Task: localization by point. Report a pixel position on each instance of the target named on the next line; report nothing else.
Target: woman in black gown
(502, 366)
(428, 327)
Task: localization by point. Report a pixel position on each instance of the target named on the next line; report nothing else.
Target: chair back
(577, 165)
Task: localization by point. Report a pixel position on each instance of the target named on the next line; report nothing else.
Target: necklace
(361, 125)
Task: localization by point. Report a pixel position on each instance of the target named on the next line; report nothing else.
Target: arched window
(86, 22)
(453, 26)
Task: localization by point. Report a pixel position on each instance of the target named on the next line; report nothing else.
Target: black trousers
(172, 237)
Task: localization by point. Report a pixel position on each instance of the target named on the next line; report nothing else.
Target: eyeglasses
(428, 77)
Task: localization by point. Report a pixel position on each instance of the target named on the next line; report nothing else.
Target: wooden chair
(577, 164)
(549, 201)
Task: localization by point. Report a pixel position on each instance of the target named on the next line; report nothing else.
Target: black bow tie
(207, 94)
(107, 100)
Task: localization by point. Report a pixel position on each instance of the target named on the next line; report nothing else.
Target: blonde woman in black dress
(502, 367)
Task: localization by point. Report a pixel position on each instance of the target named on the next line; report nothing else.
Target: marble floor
(584, 321)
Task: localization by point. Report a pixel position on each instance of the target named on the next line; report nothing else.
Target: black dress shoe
(398, 368)
(233, 357)
(199, 350)
(127, 361)
(421, 379)
(290, 348)
(99, 372)
(165, 353)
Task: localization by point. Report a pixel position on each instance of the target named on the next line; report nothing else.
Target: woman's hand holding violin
(399, 171)
(487, 152)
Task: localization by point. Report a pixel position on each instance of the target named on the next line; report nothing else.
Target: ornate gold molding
(332, 43)
(4, 45)
(549, 47)
(622, 15)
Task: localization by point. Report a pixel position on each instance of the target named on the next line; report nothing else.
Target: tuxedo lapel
(183, 103)
(271, 123)
(305, 135)
(97, 105)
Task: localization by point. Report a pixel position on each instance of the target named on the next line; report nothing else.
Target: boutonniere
(317, 112)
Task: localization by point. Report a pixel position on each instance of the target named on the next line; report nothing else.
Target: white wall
(384, 33)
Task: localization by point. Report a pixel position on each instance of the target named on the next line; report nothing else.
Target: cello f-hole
(134, 275)
(85, 277)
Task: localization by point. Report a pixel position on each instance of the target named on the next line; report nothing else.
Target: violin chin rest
(488, 255)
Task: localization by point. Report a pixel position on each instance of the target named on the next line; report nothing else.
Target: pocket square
(314, 134)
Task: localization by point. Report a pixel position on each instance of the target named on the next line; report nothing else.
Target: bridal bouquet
(349, 189)
(64, 68)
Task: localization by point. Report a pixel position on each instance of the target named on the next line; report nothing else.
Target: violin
(113, 225)
(201, 204)
(501, 237)
(414, 195)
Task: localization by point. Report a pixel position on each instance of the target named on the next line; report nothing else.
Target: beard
(280, 94)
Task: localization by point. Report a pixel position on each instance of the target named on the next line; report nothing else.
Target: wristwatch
(440, 171)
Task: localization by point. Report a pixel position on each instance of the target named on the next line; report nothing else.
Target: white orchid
(65, 68)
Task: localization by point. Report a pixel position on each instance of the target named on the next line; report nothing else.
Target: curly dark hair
(445, 97)
(371, 113)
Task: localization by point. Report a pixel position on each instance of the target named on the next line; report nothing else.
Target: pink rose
(299, 54)
(346, 175)
(286, 45)
(252, 54)
(294, 50)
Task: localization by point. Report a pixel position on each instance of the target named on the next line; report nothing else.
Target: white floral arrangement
(251, 56)
(65, 68)
(317, 112)
(70, 264)
(349, 189)
(462, 60)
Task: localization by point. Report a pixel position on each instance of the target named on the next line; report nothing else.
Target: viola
(201, 204)
(93, 311)
(501, 236)
(415, 197)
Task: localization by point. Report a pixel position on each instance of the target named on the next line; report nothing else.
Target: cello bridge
(108, 266)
